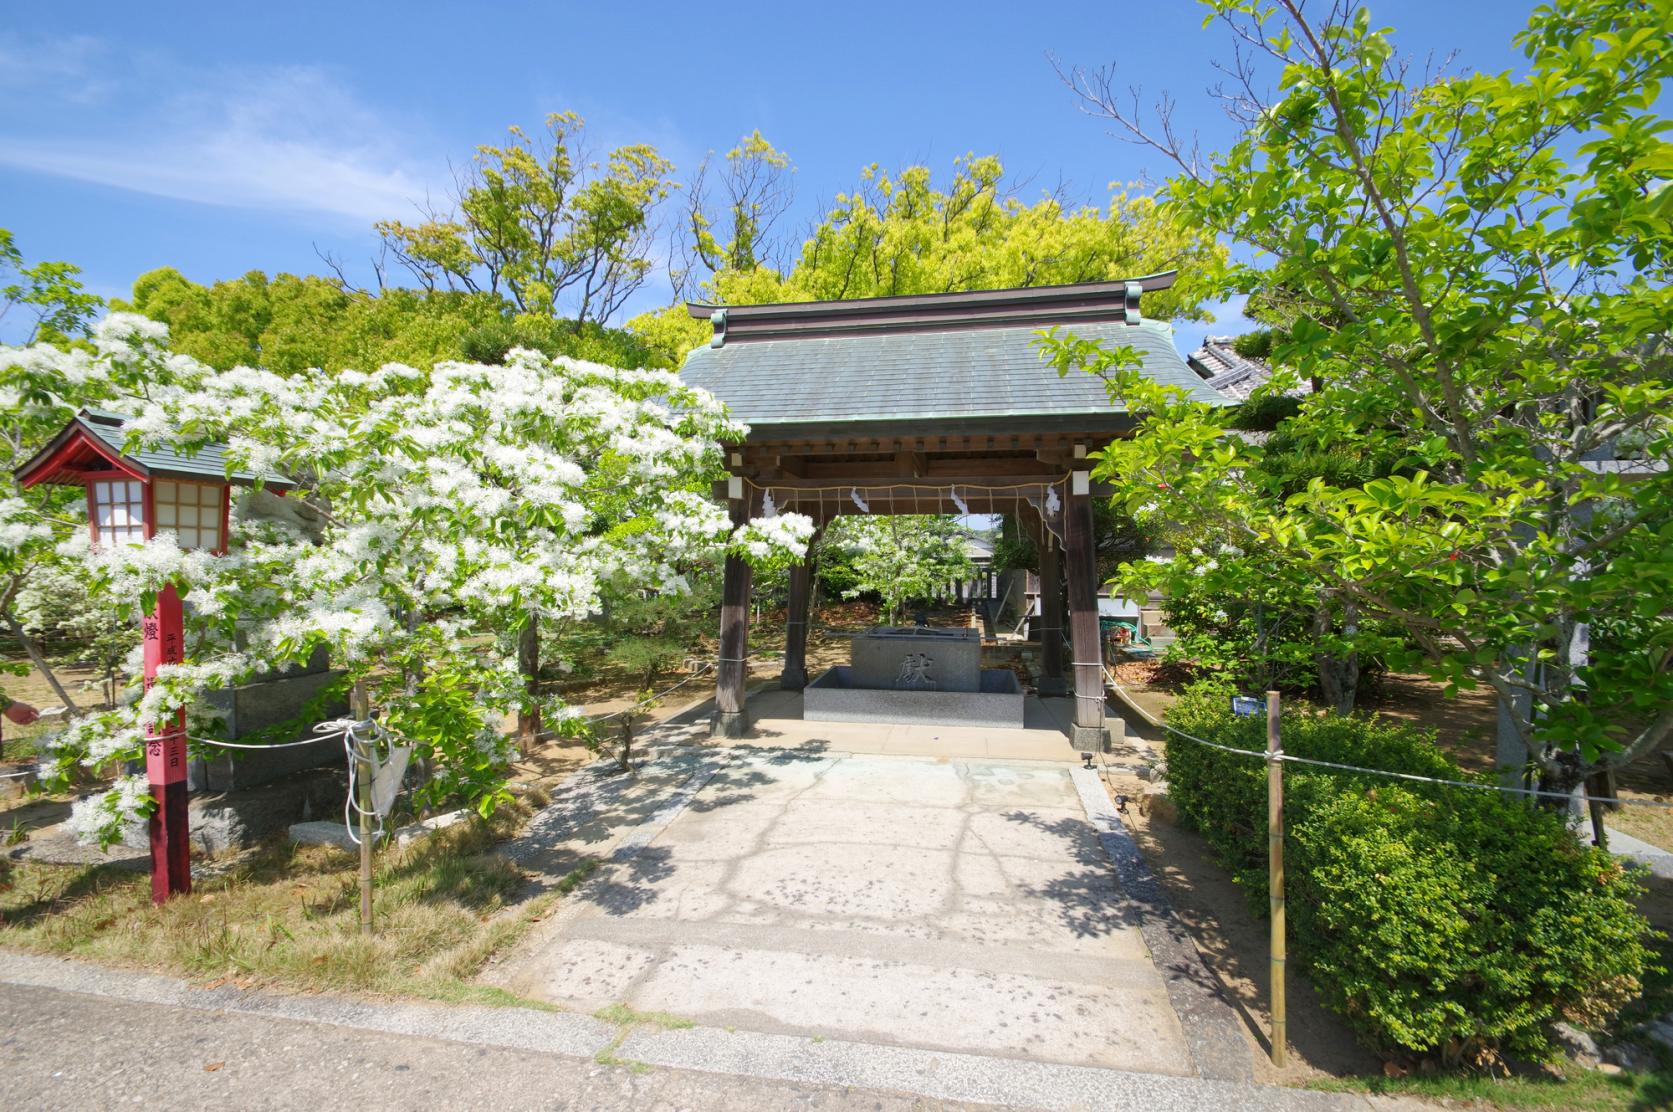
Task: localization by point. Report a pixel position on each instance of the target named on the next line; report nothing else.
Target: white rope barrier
(1291, 758)
(659, 696)
(219, 744)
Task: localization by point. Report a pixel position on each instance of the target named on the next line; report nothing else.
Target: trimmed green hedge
(1438, 921)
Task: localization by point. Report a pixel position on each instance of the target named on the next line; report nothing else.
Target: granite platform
(839, 696)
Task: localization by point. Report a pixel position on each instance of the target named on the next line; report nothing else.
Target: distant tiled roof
(1236, 376)
(1629, 468)
(952, 374)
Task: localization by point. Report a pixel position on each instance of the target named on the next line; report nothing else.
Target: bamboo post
(1275, 873)
(360, 708)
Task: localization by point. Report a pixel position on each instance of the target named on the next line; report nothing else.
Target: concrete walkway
(1654, 858)
(956, 905)
(77, 1036)
(77, 1050)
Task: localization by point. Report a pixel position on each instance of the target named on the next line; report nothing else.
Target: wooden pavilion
(928, 404)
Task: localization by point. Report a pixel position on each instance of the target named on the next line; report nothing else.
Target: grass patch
(626, 1019)
(572, 879)
(290, 915)
(608, 1057)
(1581, 1090)
(624, 1016)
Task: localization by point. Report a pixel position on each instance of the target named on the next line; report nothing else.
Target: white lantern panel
(118, 512)
(191, 511)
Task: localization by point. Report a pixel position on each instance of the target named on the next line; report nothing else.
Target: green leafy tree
(1476, 268)
(290, 323)
(39, 398)
(901, 233)
(539, 223)
(48, 294)
(1117, 538)
(742, 199)
(900, 557)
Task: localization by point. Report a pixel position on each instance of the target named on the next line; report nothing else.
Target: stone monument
(918, 675)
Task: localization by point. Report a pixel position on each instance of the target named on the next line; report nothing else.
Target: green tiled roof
(209, 462)
(948, 375)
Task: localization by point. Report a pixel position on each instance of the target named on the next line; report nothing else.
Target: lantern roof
(95, 440)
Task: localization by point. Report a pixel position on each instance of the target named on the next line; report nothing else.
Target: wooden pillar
(1049, 627)
(1089, 732)
(1052, 681)
(794, 676)
(165, 756)
(730, 718)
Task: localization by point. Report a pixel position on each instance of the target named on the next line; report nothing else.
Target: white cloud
(67, 68)
(288, 138)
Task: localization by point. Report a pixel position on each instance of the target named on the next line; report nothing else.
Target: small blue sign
(1245, 706)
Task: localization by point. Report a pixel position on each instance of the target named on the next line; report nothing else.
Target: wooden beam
(1021, 466)
(910, 463)
(1062, 442)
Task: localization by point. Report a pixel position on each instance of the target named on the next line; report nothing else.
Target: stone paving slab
(1654, 858)
(940, 904)
(1001, 1082)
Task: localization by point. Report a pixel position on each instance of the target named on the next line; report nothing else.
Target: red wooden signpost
(130, 499)
(165, 757)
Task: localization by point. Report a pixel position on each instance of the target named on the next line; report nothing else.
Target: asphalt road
(76, 1051)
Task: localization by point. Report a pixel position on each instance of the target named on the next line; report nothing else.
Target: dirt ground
(84, 684)
(1234, 944)
(544, 765)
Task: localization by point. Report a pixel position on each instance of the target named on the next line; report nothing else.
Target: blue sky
(220, 138)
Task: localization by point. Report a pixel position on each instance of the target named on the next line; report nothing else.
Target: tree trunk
(38, 659)
(528, 663)
(1338, 675)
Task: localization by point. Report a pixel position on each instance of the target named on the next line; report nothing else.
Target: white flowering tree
(901, 557)
(434, 510)
(42, 387)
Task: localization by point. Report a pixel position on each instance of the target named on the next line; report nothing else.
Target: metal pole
(360, 708)
(1275, 872)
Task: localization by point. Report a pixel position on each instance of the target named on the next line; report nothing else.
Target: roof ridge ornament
(1021, 307)
(1134, 289)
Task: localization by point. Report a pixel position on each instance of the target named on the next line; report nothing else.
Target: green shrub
(1444, 922)
(1254, 345)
